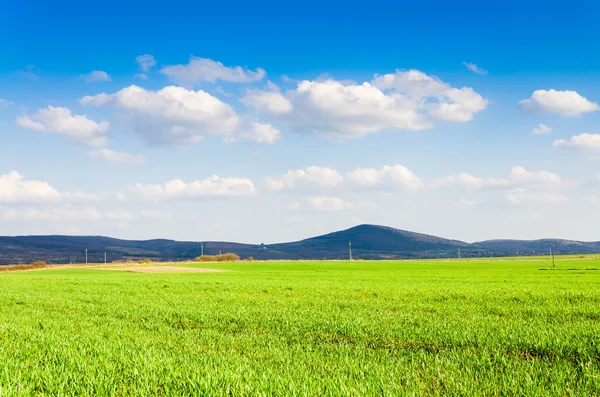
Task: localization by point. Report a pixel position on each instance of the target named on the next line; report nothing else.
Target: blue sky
(263, 122)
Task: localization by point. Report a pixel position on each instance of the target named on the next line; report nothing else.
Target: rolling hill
(368, 242)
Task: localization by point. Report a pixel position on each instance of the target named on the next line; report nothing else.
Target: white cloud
(390, 176)
(567, 103)
(522, 196)
(329, 204)
(145, 62)
(59, 120)
(582, 141)
(270, 101)
(125, 216)
(96, 76)
(258, 132)
(517, 176)
(79, 214)
(591, 199)
(404, 100)
(15, 189)
(313, 176)
(475, 69)
(4, 102)
(63, 214)
(213, 186)
(206, 70)
(172, 115)
(541, 130)
(114, 157)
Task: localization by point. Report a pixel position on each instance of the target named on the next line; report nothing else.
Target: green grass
(490, 327)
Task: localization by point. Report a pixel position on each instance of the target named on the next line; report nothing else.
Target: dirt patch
(160, 269)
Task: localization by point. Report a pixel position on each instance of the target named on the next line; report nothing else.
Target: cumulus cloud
(178, 116)
(582, 141)
(258, 132)
(541, 130)
(567, 103)
(200, 70)
(59, 120)
(96, 76)
(389, 175)
(404, 100)
(172, 115)
(113, 157)
(4, 102)
(313, 176)
(329, 204)
(521, 196)
(211, 187)
(517, 176)
(271, 101)
(475, 69)
(15, 189)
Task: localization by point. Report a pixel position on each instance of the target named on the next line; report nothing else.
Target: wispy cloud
(475, 69)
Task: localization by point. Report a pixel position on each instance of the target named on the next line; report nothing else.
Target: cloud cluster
(15, 189)
(79, 214)
(522, 196)
(517, 176)
(61, 121)
(404, 100)
(329, 204)
(310, 177)
(211, 187)
(178, 116)
(113, 157)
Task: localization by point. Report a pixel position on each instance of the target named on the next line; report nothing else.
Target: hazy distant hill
(368, 242)
(374, 242)
(539, 247)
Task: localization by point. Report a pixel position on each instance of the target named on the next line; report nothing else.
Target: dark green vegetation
(486, 327)
(368, 242)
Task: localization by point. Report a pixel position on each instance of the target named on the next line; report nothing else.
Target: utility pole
(459, 253)
(350, 249)
(552, 252)
(202, 249)
(86, 256)
(105, 258)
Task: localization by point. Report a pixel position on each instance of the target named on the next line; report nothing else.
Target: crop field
(470, 327)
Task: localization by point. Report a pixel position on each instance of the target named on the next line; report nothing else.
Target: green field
(493, 327)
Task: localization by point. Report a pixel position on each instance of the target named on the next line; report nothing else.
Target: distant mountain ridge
(368, 242)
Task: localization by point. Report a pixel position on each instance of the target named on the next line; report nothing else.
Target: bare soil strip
(159, 269)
